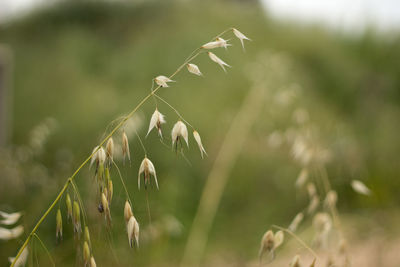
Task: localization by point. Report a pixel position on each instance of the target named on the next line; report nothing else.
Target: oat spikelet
(106, 207)
(197, 137)
(69, 206)
(147, 168)
(110, 190)
(219, 42)
(77, 218)
(21, 261)
(59, 225)
(125, 147)
(296, 221)
(127, 211)
(360, 187)
(314, 203)
(217, 60)
(192, 68)
(10, 218)
(92, 262)
(267, 244)
(87, 234)
(331, 199)
(162, 81)
(295, 262)
(86, 253)
(278, 239)
(179, 131)
(156, 120)
(240, 36)
(133, 232)
(110, 150)
(302, 179)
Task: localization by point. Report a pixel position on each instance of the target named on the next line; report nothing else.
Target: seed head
(162, 81)
(302, 179)
(110, 190)
(133, 231)
(224, 43)
(86, 253)
(179, 131)
(331, 199)
(77, 218)
(69, 206)
(192, 68)
(360, 187)
(110, 150)
(125, 147)
(147, 168)
(156, 120)
(106, 207)
(217, 60)
(92, 262)
(314, 203)
(240, 36)
(296, 221)
(87, 234)
(9, 218)
(198, 140)
(267, 243)
(127, 211)
(278, 239)
(59, 225)
(219, 42)
(295, 262)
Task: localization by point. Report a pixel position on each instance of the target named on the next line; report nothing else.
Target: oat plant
(101, 162)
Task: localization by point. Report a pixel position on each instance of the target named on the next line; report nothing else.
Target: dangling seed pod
(87, 235)
(133, 232)
(106, 207)
(92, 262)
(156, 120)
(267, 244)
(86, 253)
(59, 225)
(110, 150)
(147, 168)
(198, 141)
(127, 211)
(179, 131)
(69, 207)
(77, 218)
(110, 191)
(125, 147)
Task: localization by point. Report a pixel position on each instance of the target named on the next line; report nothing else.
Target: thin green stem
(174, 109)
(141, 143)
(123, 183)
(45, 248)
(80, 202)
(195, 53)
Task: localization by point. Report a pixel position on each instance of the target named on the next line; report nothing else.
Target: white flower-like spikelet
(219, 42)
(240, 36)
(223, 42)
(156, 120)
(162, 81)
(192, 68)
(147, 168)
(198, 141)
(360, 187)
(217, 60)
(125, 147)
(179, 131)
(132, 228)
(99, 156)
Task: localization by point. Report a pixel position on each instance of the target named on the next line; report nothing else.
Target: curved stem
(123, 183)
(195, 53)
(174, 109)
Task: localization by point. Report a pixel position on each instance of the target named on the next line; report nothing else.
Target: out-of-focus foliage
(85, 64)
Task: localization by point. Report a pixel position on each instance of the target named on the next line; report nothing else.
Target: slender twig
(123, 183)
(45, 248)
(192, 56)
(174, 109)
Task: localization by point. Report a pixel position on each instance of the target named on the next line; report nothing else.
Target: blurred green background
(79, 65)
